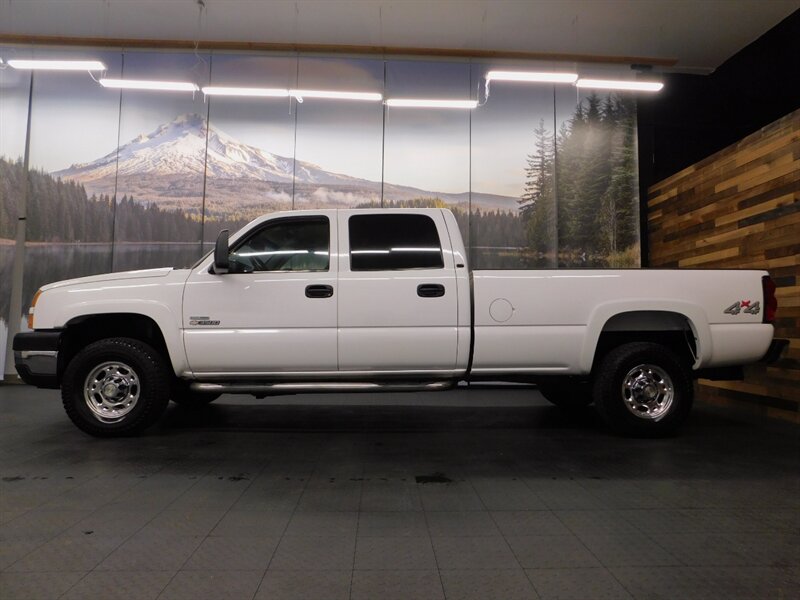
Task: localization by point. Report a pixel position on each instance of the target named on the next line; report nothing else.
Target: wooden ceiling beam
(44, 40)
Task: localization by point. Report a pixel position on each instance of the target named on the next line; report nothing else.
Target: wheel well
(669, 329)
(82, 331)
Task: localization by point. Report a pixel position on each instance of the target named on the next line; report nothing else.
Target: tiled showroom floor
(477, 494)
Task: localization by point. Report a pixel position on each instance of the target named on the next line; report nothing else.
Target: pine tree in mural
(592, 180)
(620, 202)
(565, 163)
(11, 185)
(537, 203)
(594, 171)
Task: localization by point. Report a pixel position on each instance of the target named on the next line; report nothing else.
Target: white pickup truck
(372, 300)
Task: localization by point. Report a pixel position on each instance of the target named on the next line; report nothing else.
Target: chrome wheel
(111, 391)
(648, 392)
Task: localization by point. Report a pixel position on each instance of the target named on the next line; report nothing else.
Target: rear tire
(115, 387)
(643, 389)
(569, 395)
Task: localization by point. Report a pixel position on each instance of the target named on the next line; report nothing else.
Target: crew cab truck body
(371, 300)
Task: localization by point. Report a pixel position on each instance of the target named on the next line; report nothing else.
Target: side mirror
(221, 257)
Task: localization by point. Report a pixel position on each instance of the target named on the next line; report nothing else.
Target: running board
(317, 387)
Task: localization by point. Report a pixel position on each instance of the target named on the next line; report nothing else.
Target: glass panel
(160, 163)
(74, 124)
(286, 245)
(597, 180)
(389, 242)
(427, 149)
(14, 90)
(339, 142)
(513, 220)
(250, 160)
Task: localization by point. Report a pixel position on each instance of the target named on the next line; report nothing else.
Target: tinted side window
(394, 241)
(287, 245)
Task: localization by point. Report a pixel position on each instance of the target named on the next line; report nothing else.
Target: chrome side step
(321, 387)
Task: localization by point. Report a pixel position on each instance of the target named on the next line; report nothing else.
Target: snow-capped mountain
(178, 148)
(166, 166)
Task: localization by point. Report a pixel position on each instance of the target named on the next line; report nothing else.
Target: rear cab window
(390, 242)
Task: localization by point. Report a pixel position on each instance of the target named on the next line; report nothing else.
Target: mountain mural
(166, 166)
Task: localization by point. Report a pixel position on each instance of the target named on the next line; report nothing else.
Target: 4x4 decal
(751, 308)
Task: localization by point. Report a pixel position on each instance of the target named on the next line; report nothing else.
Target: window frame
(271, 222)
(436, 231)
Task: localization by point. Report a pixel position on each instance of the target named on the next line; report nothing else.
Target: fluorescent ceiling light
(425, 103)
(58, 65)
(610, 84)
(140, 84)
(299, 94)
(245, 91)
(368, 96)
(544, 77)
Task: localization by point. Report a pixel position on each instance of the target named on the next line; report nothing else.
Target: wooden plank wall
(740, 207)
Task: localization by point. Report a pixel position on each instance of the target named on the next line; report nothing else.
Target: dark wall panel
(697, 115)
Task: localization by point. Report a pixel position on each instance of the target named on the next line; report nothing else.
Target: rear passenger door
(397, 293)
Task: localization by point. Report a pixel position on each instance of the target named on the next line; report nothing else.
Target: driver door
(275, 311)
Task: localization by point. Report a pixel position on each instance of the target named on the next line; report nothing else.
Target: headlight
(33, 306)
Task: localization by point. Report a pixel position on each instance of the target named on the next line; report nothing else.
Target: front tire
(643, 389)
(115, 387)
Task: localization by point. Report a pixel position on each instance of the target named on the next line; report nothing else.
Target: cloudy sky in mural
(74, 119)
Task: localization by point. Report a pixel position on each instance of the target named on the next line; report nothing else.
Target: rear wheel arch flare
(670, 328)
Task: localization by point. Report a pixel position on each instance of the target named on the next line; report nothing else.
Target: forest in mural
(581, 192)
(62, 212)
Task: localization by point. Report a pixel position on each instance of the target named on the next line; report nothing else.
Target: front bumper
(36, 357)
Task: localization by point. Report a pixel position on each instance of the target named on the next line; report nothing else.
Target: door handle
(430, 290)
(319, 291)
